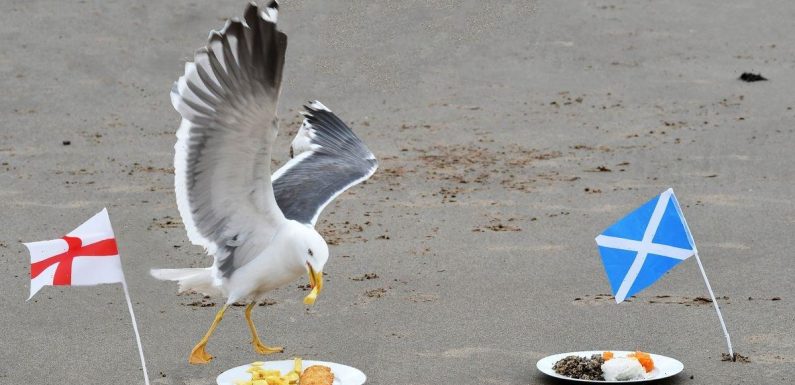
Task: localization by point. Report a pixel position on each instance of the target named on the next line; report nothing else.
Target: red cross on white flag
(86, 256)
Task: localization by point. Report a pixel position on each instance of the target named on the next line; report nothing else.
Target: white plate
(664, 367)
(343, 374)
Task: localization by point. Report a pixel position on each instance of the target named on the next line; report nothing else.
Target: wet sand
(509, 135)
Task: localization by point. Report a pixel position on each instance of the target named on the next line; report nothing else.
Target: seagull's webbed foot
(199, 356)
(263, 349)
(259, 347)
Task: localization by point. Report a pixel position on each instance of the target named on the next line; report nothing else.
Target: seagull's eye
(310, 252)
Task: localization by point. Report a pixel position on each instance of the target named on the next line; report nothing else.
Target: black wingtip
(315, 106)
(250, 14)
(253, 5)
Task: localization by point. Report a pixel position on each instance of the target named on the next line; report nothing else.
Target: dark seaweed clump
(749, 77)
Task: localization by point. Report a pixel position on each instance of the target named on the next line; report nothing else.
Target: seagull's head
(315, 255)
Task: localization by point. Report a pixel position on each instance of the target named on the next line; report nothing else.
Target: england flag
(86, 256)
(638, 249)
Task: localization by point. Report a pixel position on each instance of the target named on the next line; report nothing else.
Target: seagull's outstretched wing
(227, 98)
(328, 158)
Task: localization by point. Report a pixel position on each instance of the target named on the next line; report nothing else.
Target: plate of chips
(287, 372)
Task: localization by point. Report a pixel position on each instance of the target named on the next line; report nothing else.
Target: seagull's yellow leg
(259, 347)
(198, 355)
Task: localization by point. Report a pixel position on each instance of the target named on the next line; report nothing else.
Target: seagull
(258, 227)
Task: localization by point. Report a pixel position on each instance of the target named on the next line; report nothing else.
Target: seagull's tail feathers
(191, 279)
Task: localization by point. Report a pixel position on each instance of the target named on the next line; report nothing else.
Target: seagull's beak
(316, 282)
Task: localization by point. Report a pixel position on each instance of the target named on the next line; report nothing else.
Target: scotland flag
(642, 246)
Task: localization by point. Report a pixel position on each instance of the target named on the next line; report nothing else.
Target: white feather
(270, 14)
(181, 188)
(195, 279)
(303, 139)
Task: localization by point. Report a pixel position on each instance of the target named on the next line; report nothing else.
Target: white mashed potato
(622, 369)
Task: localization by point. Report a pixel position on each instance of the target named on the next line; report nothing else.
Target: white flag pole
(717, 308)
(703, 273)
(135, 328)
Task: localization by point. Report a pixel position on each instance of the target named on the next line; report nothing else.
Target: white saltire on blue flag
(642, 246)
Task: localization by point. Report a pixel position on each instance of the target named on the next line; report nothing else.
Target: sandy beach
(509, 135)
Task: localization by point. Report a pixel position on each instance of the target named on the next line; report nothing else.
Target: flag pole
(135, 328)
(717, 308)
(703, 273)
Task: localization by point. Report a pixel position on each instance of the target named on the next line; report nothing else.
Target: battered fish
(317, 375)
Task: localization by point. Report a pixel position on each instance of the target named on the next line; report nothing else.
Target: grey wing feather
(227, 99)
(329, 159)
